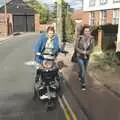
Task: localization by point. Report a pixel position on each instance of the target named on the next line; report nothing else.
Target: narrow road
(16, 86)
(16, 80)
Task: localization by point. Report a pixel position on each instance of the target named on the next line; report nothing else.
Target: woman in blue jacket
(48, 42)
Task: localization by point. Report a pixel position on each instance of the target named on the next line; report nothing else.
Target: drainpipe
(118, 36)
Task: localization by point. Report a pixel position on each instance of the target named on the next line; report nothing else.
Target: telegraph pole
(5, 16)
(59, 19)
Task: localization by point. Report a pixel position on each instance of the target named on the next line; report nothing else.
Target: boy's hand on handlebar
(38, 53)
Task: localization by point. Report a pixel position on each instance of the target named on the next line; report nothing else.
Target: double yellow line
(69, 114)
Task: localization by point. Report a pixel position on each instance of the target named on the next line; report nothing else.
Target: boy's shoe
(83, 87)
(44, 97)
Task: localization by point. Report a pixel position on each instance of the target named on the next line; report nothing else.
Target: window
(116, 1)
(92, 3)
(103, 17)
(102, 2)
(92, 18)
(115, 16)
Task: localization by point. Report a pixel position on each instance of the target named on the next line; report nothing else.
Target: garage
(23, 23)
(20, 17)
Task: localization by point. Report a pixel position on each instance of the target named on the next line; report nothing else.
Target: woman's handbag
(74, 57)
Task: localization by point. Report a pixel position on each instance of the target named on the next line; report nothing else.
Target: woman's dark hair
(83, 28)
(50, 28)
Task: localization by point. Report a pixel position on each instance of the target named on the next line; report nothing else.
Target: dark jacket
(79, 46)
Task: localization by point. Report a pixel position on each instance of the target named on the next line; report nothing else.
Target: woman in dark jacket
(84, 46)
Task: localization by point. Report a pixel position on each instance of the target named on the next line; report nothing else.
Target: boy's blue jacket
(40, 46)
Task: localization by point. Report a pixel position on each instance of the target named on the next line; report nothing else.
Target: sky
(74, 3)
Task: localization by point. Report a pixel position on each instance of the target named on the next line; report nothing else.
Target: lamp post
(59, 18)
(5, 16)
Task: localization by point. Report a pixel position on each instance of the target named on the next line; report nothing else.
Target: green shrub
(105, 60)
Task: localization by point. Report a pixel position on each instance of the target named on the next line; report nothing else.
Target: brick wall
(2, 24)
(85, 18)
(6, 29)
(80, 14)
(10, 24)
(37, 23)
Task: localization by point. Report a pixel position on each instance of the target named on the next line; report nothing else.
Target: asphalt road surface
(16, 86)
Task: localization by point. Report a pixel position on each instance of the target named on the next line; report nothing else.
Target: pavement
(98, 102)
(109, 79)
(4, 38)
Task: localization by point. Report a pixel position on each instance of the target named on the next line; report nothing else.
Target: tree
(53, 13)
(41, 8)
(68, 24)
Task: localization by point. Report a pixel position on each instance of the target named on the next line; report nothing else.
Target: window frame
(92, 3)
(103, 2)
(92, 18)
(103, 17)
(115, 17)
(116, 1)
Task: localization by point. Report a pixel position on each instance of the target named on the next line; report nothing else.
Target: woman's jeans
(83, 65)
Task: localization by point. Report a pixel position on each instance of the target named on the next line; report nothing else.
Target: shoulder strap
(91, 40)
(80, 37)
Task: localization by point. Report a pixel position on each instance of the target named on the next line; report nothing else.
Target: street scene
(59, 60)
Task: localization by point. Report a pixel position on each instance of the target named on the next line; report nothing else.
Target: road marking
(30, 63)
(69, 108)
(67, 116)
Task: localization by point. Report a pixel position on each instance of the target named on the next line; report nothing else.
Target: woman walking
(84, 47)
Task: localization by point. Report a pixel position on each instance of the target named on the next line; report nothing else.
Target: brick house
(80, 15)
(94, 17)
(20, 18)
(101, 12)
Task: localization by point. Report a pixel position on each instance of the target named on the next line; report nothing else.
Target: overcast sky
(74, 3)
